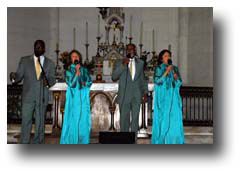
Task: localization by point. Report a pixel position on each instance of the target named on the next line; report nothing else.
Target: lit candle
(98, 28)
(141, 32)
(153, 40)
(74, 38)
(86, 32)
(130, 27)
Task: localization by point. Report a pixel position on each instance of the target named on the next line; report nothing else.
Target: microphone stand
(41, 95)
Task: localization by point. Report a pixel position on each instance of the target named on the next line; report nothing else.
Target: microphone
(76, 62)
(169, 62)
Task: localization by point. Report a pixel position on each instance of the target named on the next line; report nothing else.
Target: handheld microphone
(76, 62)
(169, 62)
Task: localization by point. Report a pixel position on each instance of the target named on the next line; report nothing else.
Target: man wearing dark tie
(38, 74)
(131, 90)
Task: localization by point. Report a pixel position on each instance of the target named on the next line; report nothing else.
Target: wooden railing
(197, 105)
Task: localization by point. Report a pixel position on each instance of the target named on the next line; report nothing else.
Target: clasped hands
(78, 73)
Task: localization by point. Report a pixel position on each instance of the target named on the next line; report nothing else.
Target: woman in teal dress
(167, 118)
(77, 118)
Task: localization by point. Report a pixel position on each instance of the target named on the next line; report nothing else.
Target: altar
(104, 109)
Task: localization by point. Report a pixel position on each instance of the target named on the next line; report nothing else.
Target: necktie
(131, 67)
(38, 69)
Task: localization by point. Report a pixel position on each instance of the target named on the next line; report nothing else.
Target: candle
(141, 32)
(86, 32)
(153, 40)
(130, 27)
(58, 26)
(74, 38)
(57, 46)
(98, 28)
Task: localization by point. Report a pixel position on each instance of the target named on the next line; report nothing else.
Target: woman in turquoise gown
(77, 118)
(167, 118)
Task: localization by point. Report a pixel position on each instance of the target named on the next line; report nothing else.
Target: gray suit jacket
(132, 88)
(31, 86)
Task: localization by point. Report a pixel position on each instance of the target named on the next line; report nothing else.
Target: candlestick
(57, 52)
(141, 32)
(86, 32)
(86, 45)
(140, 45)
(98, 28)
(57, 68)
(74, 38)
(130, 40)
(98, 39)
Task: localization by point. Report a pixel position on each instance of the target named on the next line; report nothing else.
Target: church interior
(101, 35)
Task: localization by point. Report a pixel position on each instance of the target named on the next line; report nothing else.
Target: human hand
(144, 98)
(169, 68)
(175, 76)
(12, 77)
(77, 68)
(125, 61)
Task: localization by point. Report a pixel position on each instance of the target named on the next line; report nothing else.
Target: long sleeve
(158, 75)
(71, 79)
(20, 71)
(117, 71)
(144, 83)
(85, 77)
(51, 75)
(178, 82)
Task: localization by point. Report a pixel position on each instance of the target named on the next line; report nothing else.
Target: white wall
(24, 26)
(180, 27)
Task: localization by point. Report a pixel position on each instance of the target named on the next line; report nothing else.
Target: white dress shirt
(41, 61)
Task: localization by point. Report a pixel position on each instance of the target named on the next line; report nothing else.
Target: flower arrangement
(64, 58)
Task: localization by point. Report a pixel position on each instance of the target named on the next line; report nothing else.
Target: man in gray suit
(132, 88)
(36, 83)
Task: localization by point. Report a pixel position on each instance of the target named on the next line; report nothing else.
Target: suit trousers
(129, 116)
(28, 109)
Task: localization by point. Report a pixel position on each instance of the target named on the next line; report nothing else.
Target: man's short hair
(131, 44)
(40, 42)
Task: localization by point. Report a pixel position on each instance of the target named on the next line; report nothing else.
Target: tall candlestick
(153, 40)
(74, 38)
(130, 27)
(86, 32)
(141, 32)
(98, 27)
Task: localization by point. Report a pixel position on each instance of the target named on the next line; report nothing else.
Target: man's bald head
(131, 50)
(39, 48)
